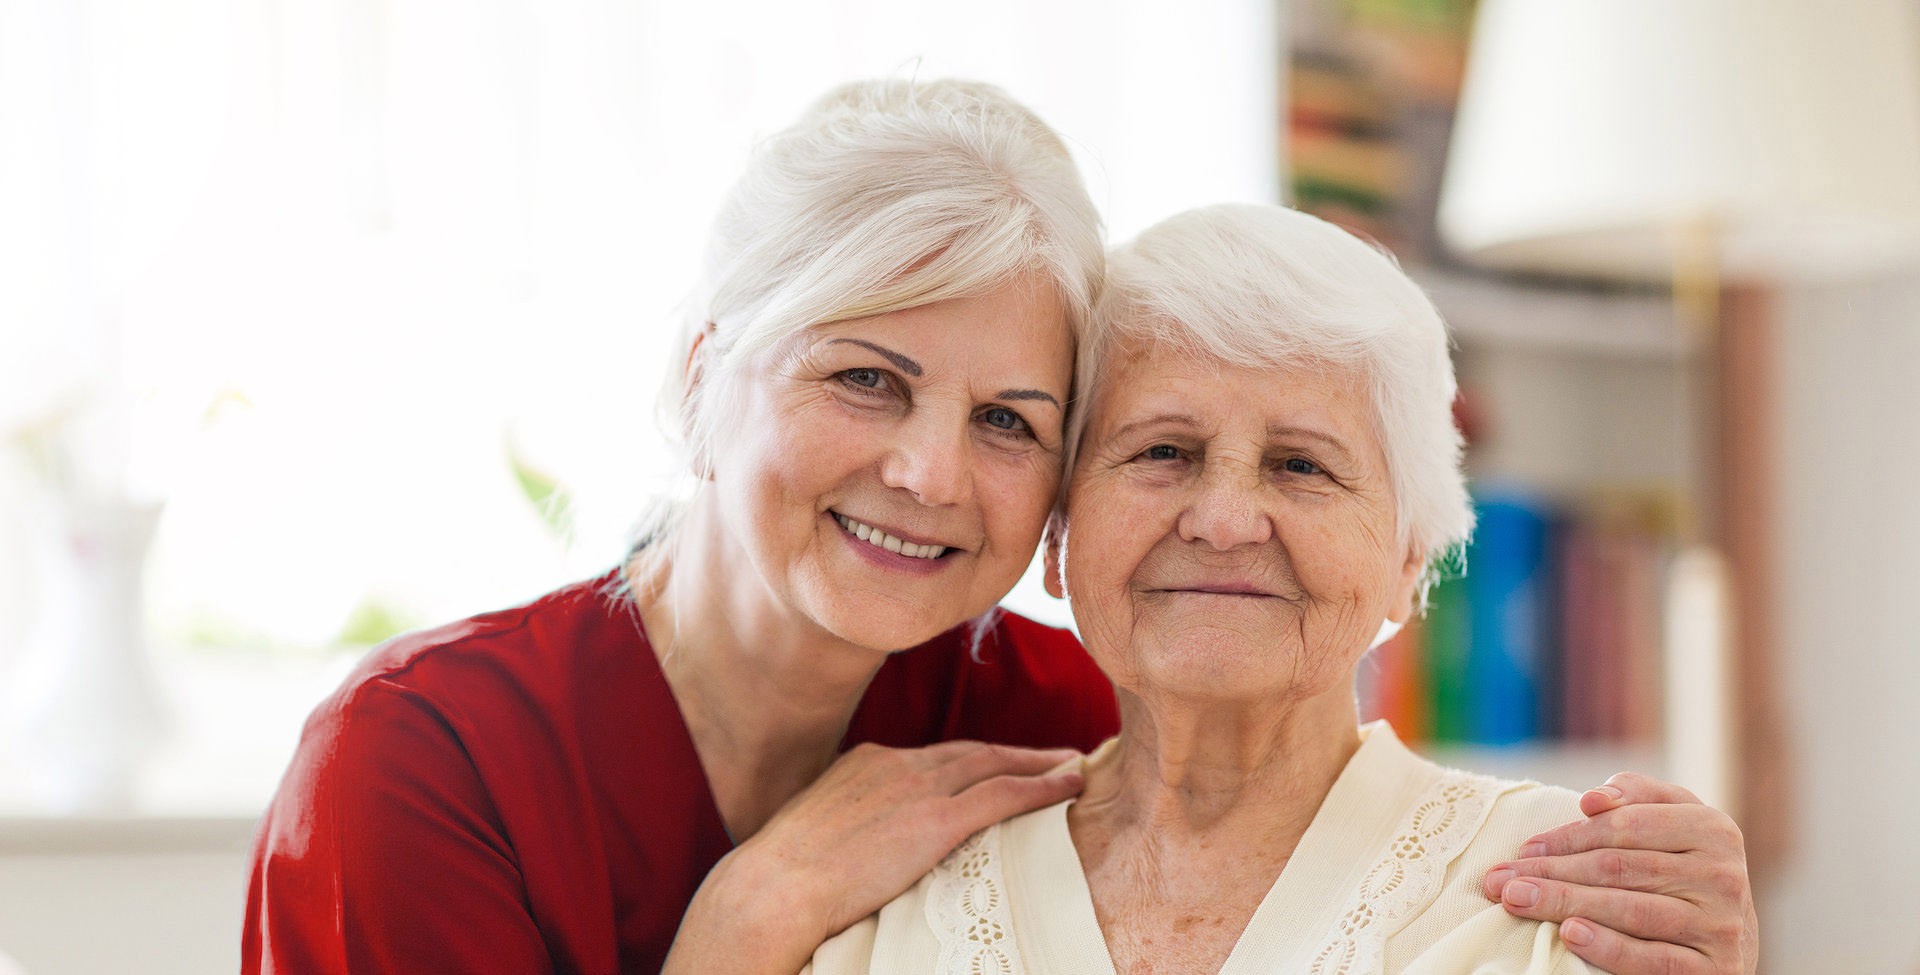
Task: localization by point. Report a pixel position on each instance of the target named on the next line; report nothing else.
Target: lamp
(1617, 138)
(1687, 141)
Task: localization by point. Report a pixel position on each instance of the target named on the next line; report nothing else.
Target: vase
(85, 712)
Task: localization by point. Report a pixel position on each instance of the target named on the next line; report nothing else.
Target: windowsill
(232, 724)
(120, 835)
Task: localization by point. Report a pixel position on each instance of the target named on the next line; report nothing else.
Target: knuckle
(1721, 826)
(1624, 821)
(1555, 899)
(1736, 836)
(1725, 933)
(1540, 866)
(1614, 869)
(1628, 781)
(1730, 885)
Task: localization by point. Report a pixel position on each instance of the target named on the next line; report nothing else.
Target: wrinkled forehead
(1140, 379)
(1128, 368)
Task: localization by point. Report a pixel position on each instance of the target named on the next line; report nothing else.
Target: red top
(517, 792)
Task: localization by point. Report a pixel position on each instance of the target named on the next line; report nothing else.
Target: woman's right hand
(866, 830)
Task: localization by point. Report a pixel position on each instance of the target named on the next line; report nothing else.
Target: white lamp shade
(1590, 132)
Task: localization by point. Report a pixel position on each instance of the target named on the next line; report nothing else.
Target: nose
(933, 460)
(1226, 510)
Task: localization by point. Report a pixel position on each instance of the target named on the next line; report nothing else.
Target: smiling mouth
(879, 539)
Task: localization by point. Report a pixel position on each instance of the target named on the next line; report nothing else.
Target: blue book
(1508, 588)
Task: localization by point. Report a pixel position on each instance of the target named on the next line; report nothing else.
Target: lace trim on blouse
(967, 908)
(967, 900)
(1407, 878)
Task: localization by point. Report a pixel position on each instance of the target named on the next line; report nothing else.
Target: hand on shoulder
(1652, 882)
(867, 830)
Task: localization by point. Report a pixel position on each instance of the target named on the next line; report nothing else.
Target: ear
(1407, 586)
(694, 371)
(1055, 559)
(695, 368)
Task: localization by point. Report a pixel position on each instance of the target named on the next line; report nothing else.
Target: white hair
(885, 195)
(1267, 285)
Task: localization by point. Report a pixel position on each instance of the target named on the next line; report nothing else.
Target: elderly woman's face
(889, 476)
(1231, 531)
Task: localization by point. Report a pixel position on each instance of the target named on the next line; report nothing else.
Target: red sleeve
(382, 852)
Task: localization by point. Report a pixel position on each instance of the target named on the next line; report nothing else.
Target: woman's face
(1231, 530)
(888, 477)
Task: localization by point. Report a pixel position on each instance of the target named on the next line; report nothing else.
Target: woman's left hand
(1653, 882)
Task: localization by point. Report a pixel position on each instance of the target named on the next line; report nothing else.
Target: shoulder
(1458, 929)
(510, 690)
(1498, 810)
(522, 651)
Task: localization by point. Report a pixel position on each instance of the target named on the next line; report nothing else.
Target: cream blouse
(1386, 879)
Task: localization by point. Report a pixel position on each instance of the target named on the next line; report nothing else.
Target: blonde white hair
(1267, 285)
(885, 195)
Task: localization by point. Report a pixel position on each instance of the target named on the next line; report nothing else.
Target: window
(351, 287)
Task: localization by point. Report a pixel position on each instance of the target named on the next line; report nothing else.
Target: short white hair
(1266, 286)
(885, 195)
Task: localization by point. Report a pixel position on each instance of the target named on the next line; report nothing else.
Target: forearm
(743, 921)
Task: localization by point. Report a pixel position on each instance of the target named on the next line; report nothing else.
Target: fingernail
(1499, 878)
(1534, 849)
(1576, 933)
(1521, 893)
(1609, 791)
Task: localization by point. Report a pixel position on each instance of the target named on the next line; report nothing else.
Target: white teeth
(874, 536)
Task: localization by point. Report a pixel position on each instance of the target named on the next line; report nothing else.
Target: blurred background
(323, 321)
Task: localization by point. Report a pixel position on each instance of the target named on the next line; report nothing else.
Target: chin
(1216, 680)
(885, 626)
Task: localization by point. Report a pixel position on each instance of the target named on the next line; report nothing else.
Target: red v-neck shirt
(518, 792)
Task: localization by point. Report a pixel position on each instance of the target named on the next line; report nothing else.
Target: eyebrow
(1331, 442)
(1277, 431)
(899, 361)
(1169, 419)
(914, 369)
(1027, 394)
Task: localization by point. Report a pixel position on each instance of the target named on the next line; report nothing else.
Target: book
(1508, 621)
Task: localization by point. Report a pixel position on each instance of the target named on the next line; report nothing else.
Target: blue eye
(1001, 418)
(1161, 451)
(868, 378)
(1300, 465)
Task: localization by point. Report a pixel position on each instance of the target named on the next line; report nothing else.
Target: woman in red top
(658, 768)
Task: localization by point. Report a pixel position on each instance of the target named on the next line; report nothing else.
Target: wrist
(747, 918)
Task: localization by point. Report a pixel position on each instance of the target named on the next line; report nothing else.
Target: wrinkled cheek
(1108, 638)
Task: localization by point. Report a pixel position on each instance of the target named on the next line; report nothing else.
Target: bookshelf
(1594, 438)
(1585, 399)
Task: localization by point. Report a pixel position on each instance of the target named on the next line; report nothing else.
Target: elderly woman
(1268, 469)
(716, 755)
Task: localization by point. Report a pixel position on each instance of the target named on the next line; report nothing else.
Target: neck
(1205, 771)
(766, 694)
(1186, 822)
